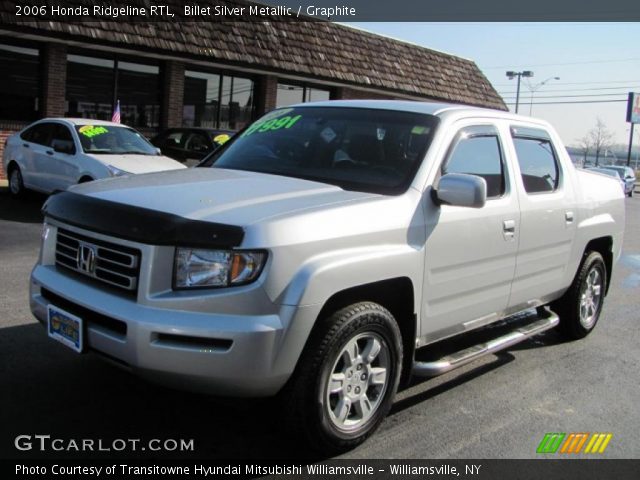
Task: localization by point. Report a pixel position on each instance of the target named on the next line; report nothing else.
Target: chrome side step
(462, 357)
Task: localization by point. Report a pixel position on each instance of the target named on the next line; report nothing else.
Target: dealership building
(212, 74)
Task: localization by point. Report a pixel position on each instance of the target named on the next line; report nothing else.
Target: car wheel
(579, 308)
(16, 185)
(346, 379)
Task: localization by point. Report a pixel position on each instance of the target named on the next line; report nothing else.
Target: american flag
(116, 113)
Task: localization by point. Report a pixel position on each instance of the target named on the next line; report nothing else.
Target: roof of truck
(428, 108)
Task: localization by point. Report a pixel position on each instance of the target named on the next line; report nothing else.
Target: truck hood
(217, 195)
(133, 163)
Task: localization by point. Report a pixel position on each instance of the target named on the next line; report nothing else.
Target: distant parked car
(55, 153)
(611, 173)
(190, 145)
(627, 174)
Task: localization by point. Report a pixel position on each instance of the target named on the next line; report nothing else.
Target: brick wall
(173, 94)
(267, 91)
(4, 133)
(54, 79)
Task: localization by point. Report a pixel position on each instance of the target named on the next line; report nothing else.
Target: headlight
(116, 172)
(216, 268)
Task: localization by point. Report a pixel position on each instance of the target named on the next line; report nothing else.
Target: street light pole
(631, 146)
(511, 75)
(535, 88)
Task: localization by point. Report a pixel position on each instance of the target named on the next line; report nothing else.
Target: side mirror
(158, 151)
(461, 190)
(63, 146)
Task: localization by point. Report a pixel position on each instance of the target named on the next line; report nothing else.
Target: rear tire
(346, 378)
(16, 184)
(579, 308)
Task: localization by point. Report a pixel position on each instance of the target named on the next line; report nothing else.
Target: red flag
(116, 113)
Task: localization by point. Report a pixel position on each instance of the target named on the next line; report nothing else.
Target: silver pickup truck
(319, 252)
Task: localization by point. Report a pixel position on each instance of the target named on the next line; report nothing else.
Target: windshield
(109, 139)
(357, 149)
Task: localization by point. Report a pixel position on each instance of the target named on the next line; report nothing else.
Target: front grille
(106, 262)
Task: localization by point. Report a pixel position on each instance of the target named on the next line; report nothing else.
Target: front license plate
(65, 328)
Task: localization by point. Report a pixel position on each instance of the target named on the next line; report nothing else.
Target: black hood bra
(137, 224)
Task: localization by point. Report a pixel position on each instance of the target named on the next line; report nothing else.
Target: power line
(578, 83)
(581, 89)
(571, 102)
(564, 63)
(571, 96)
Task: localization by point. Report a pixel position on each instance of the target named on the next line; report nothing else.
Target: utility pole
(511, 75)
(630, 146)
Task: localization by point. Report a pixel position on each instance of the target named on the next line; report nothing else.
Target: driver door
(470, 253)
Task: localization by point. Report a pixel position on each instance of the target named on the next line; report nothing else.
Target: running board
(462, 357)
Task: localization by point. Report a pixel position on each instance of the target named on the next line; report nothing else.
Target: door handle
(509, 226)
(509, 229)
(25, 145)
(49, 152)
(568, 216)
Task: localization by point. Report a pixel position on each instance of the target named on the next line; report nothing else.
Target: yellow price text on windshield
(222, 138)
(92, 130)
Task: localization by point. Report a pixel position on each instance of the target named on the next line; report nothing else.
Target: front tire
(16, 184)
(346, 378)
(580, 307)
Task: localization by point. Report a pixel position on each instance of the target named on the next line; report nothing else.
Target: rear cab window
(538, 160)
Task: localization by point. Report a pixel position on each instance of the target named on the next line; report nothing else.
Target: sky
(595, 62)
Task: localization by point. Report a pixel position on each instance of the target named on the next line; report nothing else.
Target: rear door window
(174, 139)
(538, 162)
(40, 133)
(198, 143)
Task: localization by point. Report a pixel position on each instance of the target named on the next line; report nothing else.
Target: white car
(610, 173)
(55, 153)
(628, 176)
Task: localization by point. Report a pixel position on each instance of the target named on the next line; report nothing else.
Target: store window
(289, 94)
(94, 85)
(217, 101)
(18, 83)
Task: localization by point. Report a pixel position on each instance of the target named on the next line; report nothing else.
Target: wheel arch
(394, 294)
(11, 165)
(604, 246)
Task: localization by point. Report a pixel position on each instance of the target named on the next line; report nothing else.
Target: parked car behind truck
(628, 177)
(315, 253)
(190, 145)
(55, 153)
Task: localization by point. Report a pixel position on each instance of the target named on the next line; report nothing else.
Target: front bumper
(223, 354)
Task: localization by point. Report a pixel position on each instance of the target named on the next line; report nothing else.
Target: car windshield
(110, 139)
(354, 148)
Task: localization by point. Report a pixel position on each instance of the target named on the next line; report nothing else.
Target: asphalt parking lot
(498, 407)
